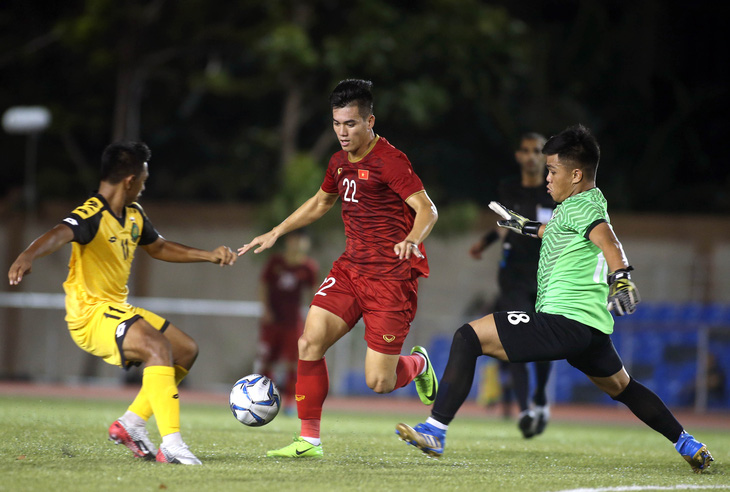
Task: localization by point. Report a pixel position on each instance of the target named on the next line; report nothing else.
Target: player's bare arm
(308, 212)
(426, 217)
(46, 244)
(174, 252)
(623, 296)
(603, 236)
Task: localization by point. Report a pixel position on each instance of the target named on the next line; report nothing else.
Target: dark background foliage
(232, 96)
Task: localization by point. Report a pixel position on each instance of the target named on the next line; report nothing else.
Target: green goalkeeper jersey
(571, 275)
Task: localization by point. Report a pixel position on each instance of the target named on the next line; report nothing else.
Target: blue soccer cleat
(425, 437)
(694, 452)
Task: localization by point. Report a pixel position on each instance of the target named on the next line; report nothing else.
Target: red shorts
(386, 306)
(278, 342)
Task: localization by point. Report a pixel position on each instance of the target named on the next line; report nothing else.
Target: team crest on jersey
(363, 174)
(339, 170)
(135, 232)
(388, 338)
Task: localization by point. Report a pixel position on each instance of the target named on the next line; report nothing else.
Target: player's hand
(476, 250)
(514, 221)
(264, 241)
(223, 255)
(405, 249)
(623, 296)
(18, 269)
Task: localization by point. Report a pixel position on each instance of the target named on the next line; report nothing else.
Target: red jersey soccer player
(387, 215)
(285, 277)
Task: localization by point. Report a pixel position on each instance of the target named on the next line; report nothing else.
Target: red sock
(409, 366)
(313, 383)
(310, 428)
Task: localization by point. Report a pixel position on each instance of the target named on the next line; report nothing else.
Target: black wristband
(619, 274)
(531, 228)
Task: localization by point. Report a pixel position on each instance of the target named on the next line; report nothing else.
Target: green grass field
(58, 444)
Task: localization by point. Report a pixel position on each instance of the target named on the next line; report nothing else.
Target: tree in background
(229, 94)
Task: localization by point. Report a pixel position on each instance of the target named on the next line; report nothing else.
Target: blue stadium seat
(691, 312)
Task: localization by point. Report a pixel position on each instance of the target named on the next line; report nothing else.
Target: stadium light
(30, 121)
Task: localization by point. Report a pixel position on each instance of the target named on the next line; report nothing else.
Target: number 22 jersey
(373, 191)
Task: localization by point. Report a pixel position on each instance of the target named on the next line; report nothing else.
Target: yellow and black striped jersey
(101, 257)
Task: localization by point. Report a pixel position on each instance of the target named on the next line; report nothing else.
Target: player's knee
(466, 340)
(189, 347)
(612, 386)
(615, 389)
(380, 384)
(309, 349)
(303, 345)
(189, 352)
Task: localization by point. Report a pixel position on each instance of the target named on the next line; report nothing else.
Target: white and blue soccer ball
(255, 400)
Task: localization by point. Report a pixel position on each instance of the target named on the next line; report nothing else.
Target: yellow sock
(141, 404)
(158, 383)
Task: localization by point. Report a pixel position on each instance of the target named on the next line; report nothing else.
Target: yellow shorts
(104, 334)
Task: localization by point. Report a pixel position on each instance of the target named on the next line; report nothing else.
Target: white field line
(632, 488)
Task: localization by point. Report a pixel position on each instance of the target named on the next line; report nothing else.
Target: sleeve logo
(71, 221)
(363, 174)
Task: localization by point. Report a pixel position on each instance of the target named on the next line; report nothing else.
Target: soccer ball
(254, 400)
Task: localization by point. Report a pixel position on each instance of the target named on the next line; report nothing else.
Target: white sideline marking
(631, 488)
(210, 307)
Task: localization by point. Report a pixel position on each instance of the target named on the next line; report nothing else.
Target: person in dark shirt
(525, 194)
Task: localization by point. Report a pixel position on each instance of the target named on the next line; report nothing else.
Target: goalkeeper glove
(623, 295)
(514, 221)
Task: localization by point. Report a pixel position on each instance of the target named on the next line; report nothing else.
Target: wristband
(619, 274)
(531, 228)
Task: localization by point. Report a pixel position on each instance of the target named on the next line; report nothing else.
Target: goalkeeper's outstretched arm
(514, 221)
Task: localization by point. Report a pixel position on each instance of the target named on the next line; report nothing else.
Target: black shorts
(528, 337)
(514, 298)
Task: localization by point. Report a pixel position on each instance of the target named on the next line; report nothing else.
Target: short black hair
(122, 159)
(356, 91)
(577, 145)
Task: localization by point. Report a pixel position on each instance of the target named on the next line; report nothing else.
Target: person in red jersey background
(387, 215)
(284, 280)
